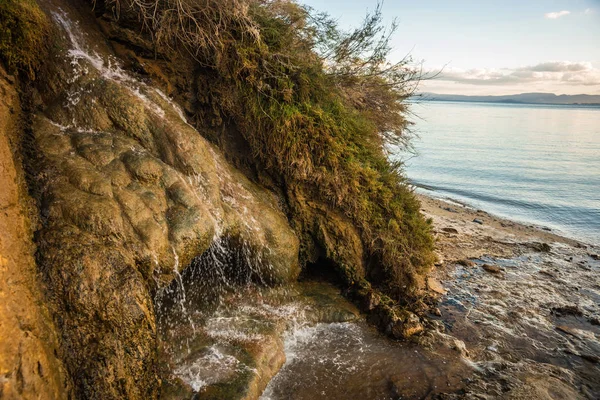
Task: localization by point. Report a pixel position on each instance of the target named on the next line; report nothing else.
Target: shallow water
(531, 163)
(210, 347)
(536, 321)
(352, 360)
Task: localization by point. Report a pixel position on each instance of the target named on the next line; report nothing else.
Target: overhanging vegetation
(317, 107)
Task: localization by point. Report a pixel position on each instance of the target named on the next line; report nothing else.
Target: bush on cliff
(23, 35)
(317, 107)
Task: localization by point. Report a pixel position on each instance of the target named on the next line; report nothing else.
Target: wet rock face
(130, 194)
(232, 349)
(29, 368)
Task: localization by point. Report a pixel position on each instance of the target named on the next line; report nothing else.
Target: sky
(490, 47)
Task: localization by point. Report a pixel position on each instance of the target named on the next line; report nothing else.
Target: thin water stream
(353, 360)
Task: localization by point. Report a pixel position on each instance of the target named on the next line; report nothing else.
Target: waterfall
(216, 310)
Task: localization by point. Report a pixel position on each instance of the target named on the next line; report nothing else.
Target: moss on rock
(24, 35)
(281, 117)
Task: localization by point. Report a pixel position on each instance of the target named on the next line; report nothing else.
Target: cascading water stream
(196, 325)
(218, 325)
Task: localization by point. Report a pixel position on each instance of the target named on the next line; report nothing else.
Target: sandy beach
(520, 302)
(493, 236)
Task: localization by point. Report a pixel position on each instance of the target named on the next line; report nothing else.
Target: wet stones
(439, 260)
(478, 221)
(562, 311)
(594, 320)
(493, 269)
(541, 247)
(370, 301)
(435, 286)
(466, 263)
(406, 325)
(547, 273)
(568, 330)
(591, 358)
(397, 323)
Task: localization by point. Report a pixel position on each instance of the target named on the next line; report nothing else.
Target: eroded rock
(494, 269)
(29, 366)
(130, 194)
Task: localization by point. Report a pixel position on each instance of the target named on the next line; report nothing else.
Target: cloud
(588, 11)
(551, 72)
(557, 14)
(559, 66)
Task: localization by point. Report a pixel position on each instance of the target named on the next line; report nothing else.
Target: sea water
(537, 164)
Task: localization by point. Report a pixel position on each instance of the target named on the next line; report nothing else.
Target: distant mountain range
(523, 98)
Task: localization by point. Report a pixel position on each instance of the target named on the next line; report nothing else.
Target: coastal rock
(494, 269)
(450, 230)
(29, 364)
(478, 221)
(566, 310)
(466, 263)
(591, 358)
(130, 194)
(460, 346)
(568, 330)
(540, 387)
(541, 247)
(406, 325)
(547, 273)
(578, 333)
(435, 286)
(439, 259)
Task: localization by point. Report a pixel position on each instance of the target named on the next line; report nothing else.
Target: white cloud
(588, 11)
(557, 14)
(563, 73)
(560, 66)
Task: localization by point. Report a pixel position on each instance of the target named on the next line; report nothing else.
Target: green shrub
(23, 35)
(317, 107)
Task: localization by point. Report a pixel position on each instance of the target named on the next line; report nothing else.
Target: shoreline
(496, 235)
(532, 228)
(458, 237)
(520, 303)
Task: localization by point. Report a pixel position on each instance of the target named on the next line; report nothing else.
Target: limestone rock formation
(29, 367)
(129, 194)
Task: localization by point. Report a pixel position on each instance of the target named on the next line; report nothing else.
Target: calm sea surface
(531, 163)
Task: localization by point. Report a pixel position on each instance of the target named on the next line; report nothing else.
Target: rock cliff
(115, 198)
(129, 194)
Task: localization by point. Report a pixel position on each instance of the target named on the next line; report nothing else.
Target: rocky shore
(159, 241)
(519, 301)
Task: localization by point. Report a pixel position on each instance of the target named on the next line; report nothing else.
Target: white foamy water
(353, 360)
(211, 367)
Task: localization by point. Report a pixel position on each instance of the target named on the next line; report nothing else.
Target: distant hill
(523, 98)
